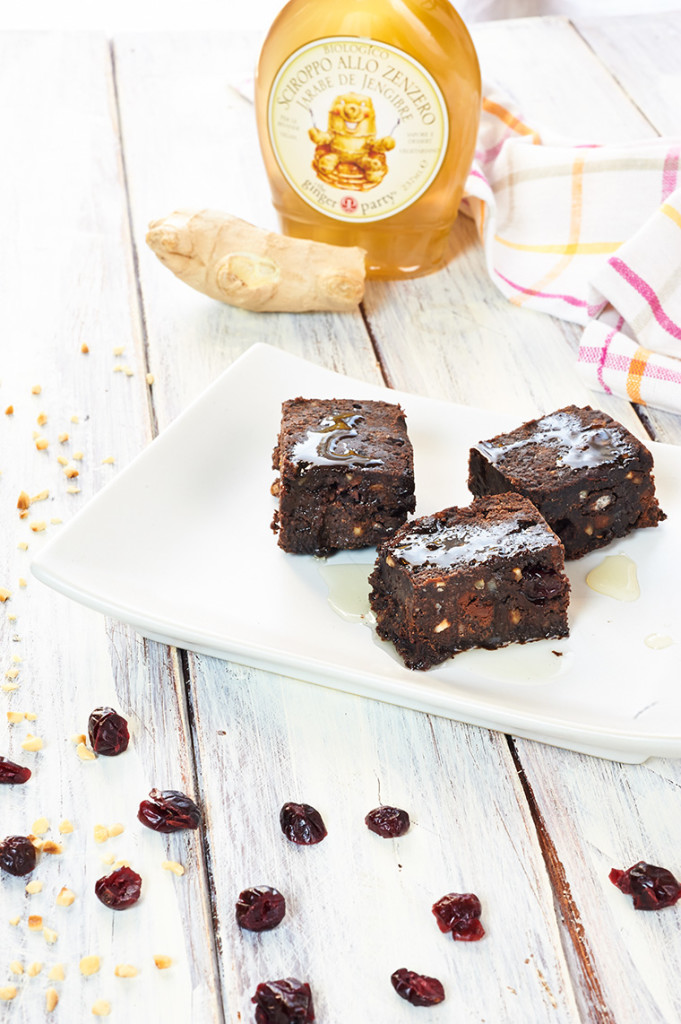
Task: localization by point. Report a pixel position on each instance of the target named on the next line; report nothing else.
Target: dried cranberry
(119, 890)
(417, 989)
(108, 732)
(302, 824)
(17, 855)
(260, 908)
(287, 1001)
(168, 810)
(650, 887)
(387, 821)
(541, 584)
(11, 772)
(459, 913)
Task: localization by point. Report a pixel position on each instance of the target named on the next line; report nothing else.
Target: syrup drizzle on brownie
(577, 447)
(330, 443)
(444, 546)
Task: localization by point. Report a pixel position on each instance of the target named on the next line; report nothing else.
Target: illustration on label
(337, 108)
(349, 155)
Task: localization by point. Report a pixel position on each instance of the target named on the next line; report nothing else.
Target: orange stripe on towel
(510, 119)
(573, 234)
(637, 369)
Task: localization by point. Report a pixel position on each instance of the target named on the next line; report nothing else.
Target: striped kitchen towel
(589, 233)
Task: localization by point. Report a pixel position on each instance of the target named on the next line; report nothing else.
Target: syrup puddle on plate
(615, 577)
(657, 642)
(348, 586)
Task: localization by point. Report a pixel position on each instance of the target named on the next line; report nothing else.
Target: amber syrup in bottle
(367, 115)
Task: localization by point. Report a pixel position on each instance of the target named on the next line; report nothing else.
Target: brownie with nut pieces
(346, 474)
(485, 575)
(589, 477)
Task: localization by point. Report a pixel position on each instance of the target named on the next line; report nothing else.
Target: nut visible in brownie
(346, 474)
(485, 575)
(588, 475)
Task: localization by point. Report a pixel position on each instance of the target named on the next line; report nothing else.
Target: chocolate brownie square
(588, 475)
(485, 575)
(346, 474)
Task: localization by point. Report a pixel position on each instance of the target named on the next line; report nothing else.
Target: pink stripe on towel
(646, 292)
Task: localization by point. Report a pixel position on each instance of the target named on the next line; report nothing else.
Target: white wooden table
(98, 138)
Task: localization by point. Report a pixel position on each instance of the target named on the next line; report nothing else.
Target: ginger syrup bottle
(367, 114)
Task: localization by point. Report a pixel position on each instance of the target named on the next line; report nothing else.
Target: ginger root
(238, 263)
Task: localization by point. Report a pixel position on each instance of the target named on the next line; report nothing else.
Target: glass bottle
(367, 115)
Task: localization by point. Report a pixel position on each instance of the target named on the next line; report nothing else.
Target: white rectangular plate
(179, 545)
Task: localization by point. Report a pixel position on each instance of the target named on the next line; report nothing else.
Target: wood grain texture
(262, 739)
(534, 830)
(68, 282)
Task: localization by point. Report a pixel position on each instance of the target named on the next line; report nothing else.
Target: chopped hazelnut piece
(84, 753)
(42, 443)
(70, 472)
(441, 626)
(11, 673)
(9, 410)
(30, 716)
(515, 616)
(15, 920)
(116, 830)
(65, 897)
(172, 865)
(51, 999)
(78, 456)
(33, 887)
(41, 419)
(22, 545)
(36, 389)
(8, 687)
(34, 969)
(149, 379)
(125, 971)
(40, 826)
(39, 525)
(56, 973)
(8, 992)
(84, 348)
(89, 965)
(32, 743)
(62, 460)
(23, 501)
(78, 737)
(121, 864)
(65, 827)
(101, 1008)
(50, 935)
(15, 716)
(101, 833)
(49, 846)
(35, 923)
(16, 967)
(5, 594)
(109, 460)
(162, 962)
(63, 437)
(109, 859)
(73, 490)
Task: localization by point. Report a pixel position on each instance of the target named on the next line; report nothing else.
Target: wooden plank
(68, 281)
(593, 815)
(263, 739)
(653, 80)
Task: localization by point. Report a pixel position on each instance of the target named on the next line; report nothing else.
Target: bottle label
(359, 128)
